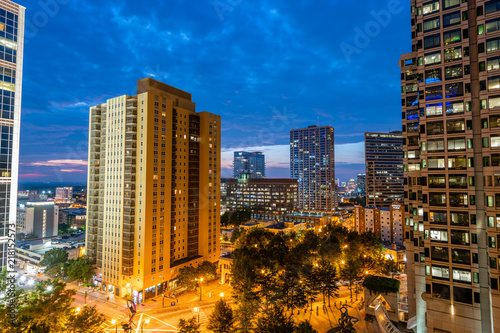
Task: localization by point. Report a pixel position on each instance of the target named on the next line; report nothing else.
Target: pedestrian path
(200, 314)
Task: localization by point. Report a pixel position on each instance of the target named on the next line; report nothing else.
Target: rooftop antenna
(318, 121)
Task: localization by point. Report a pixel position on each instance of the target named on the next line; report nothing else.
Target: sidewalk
(188, 300)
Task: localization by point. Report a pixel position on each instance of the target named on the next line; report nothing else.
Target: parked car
(73, 247)
(65, 237)
(66, 248)
(74, 235)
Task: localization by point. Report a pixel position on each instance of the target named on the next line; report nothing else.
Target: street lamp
(49, 288)
(222, 295)
(142, 325)
(197, 310)
(162, 292)
(114, 322)
(201, 280)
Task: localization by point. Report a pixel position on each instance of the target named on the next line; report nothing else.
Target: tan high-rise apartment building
(451, 131)
(153, 189)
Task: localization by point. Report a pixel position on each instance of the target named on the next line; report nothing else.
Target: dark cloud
(241, 61)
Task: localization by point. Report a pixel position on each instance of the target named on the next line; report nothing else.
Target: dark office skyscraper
(249, 163)
(384, 168)
(312, 163)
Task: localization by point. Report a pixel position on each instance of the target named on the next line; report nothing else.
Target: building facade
(450, 104)
(153, 189)
(251, 164)
(387, 223)
(312, 163)
(384, 168)
(11, 67)
(361, 185)
(64, 195)
(39, 218)
(263, 196)
(74, 217)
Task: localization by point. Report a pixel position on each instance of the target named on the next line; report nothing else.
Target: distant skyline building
(312, 163)
(384, 168)
(64, 194)
(251, 164)
(11, 68)
(153, 189)
(361, 184)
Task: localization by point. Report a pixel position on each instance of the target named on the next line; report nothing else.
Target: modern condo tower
(451, 129)
(312, 163)
(153, 189)
(384, 168)
(11, 79)
(250, 164)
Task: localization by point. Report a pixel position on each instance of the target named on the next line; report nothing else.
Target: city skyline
(257, 109)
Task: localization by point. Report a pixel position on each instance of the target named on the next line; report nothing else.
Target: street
(151, 317)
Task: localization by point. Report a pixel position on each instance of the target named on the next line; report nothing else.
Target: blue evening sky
(265, 66)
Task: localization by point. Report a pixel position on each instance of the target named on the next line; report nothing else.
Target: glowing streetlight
(342, 262)
(49, 288)
(114, 322)
(201, 280)
(78, 309)
(142, 325)
(222, 295)
(198, 311)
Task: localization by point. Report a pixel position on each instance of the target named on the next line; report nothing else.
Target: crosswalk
(200, 314)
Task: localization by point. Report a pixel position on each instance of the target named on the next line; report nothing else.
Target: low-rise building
(265, 197)
(40, 218)
(387, 223)
(75, 217)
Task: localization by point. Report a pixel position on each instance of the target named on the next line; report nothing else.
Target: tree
(89, 320)
(389, 267)
(48, 309)
(326, 275)
(189, 326)
(31, 235)
(207, 270)
(237, 232)
(187, 278)
(275, 320)
(54, 260)
(81, 269)
(224, 220)
(63, 229)
(240, 216)
(352, 271)
(222, 319)
(305, 327)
